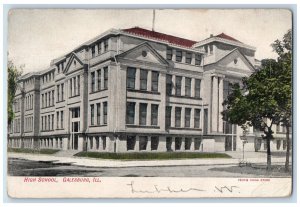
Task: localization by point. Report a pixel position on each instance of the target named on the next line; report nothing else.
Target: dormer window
(211, 49)
(93, 51)
(169, 54)
(197, 59)
(188, 58)
(178, 55)
(105, 45)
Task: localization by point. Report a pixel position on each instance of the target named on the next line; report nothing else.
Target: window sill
(142, 126)
(47, 107)
(184, 128)
(60, 101)
(143, 91)
(74, 96)
(98, 91)
(188, 97)
(103, 125)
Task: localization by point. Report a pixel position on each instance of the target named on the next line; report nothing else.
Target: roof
(227, 37)
(160, 36)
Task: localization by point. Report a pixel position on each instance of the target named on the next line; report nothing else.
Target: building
(137, 90)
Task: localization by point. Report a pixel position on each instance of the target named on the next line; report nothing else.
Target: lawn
(33, 151)
(151, 156)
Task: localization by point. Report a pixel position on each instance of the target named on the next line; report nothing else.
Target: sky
(37, 36)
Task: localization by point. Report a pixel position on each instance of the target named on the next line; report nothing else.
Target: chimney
(211, 35)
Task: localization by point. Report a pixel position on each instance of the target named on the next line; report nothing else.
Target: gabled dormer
(217, 46)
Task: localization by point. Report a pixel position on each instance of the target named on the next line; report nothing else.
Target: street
(22, 167)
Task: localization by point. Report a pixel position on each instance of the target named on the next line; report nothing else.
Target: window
(98, 113)
(206, 48)
(49, 122)
(57, 120)
(188, 87)
(197, 88)
(130, 113)
(178, 86)
(168, 116)
(78, 85)
(104, 112)
(75, 112)
(187, 121)
(42, 123)
(278, 143)
(52, 122)
(188, 58)
(53, 98)
(197, 59)
(169, 144)
(178, 55)
(154, 143)
(93, 51)
(211, 49)
(99, 48)
(154, 114)
(169, 85)
(169, 54)
(178, 142)
(92, 114)
(197, 143)
(143, 140)
(284, 144)
(105, 77)
(197, 118)
(62, 92)
(91, 142)
(103, 142)
(187, 143)
(93, 81)
(62, 119)
(143, 79)
(99, 79)
(131, 142)
(278, 127)
(143, 113)
(97, 142)
(105, 45)
(177, 116)
(154, 86)
(131, 78)
(71, 87)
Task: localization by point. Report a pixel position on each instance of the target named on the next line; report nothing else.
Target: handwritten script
(169, 189)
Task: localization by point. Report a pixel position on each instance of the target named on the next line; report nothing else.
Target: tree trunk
(287, 158)
(268, 152)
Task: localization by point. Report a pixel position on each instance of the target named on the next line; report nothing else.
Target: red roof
(227, 37)
(160, 36)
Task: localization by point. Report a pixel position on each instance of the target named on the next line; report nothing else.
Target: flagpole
(153, 20)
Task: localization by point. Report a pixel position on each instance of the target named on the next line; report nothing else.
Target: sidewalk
(92, 162)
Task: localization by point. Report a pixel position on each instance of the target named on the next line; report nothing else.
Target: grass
(151, 156)
(33, 151)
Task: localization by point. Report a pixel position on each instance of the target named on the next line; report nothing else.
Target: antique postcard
(149, 103)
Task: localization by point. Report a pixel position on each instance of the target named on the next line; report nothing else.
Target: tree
(284, 50)
(264, 99)
(13, 74)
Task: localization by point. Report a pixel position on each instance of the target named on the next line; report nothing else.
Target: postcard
(149, 103)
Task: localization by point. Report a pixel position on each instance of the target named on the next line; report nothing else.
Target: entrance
(230, 136)
(75, 128)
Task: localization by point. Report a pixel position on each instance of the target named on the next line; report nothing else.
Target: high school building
(137, 90)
